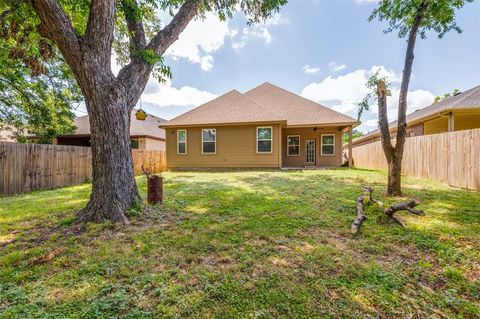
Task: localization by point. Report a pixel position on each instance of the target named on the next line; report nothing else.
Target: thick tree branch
(56, 26)
(408, 206)
(365, 199)
(383, 120)
(136, 73)
(99, 33)
(168, 35)
(134, 25)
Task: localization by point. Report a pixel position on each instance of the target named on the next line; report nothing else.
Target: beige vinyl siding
(467, 121)
(236, 147)
(437, 125)
(311, 134)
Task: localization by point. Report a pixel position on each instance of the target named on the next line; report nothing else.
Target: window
(264, 139)
(134, 144)
(293, 142)
(181, 141)
(328, 144)
(209, 141)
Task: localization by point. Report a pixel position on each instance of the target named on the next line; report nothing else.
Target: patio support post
(280, 154)
(350, 155)
(451, 122)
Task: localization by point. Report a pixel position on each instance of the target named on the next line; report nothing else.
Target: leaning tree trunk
(113, 186)
(394, 154)
(394, 184)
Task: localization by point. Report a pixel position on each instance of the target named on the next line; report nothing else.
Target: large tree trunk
(114, 189)
(109, 99)
(394, 154)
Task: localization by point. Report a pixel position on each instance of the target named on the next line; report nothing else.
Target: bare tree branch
(135, 26)
(138, 70)
(165, 37)
(56, 26)
(383, 120)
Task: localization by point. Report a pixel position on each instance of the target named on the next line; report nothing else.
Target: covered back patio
(315, 146)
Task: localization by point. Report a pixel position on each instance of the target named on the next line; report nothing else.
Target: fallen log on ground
(408, 206)
(367, 199)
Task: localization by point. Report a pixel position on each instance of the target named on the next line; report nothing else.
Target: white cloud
(344, 92)
(310, 69)
(373, 123)
(335, 67)
(164, 94)
(275, 20)
(259, 30)
(201, 38)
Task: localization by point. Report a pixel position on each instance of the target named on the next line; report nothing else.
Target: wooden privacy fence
(452, 158)
(25, 167)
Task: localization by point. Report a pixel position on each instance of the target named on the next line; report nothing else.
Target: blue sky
(323, 50)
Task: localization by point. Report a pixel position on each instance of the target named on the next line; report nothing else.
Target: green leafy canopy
(37, 89)
(438, 15)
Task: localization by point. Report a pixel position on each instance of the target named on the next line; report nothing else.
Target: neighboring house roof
(265, 103)
(469, 99)
(149, 127)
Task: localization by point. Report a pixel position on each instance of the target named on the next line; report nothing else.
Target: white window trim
(321, 144)
(210, 153)
(299, 142)
(178, 142)
(271, 139)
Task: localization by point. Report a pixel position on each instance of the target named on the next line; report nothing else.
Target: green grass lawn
(255, 244)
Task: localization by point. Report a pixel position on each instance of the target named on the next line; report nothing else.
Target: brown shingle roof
(469, 99)
(295, 109)
(149, 127)
(232, 107)
(265, 103)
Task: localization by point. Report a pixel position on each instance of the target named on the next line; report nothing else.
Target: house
(143, 134)
(264, 127)
(455, 113)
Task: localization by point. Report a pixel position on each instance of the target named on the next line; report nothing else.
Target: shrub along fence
(452, 158)
(25, 167)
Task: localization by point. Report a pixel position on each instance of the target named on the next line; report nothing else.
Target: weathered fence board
(25, 167)
(453, 158)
